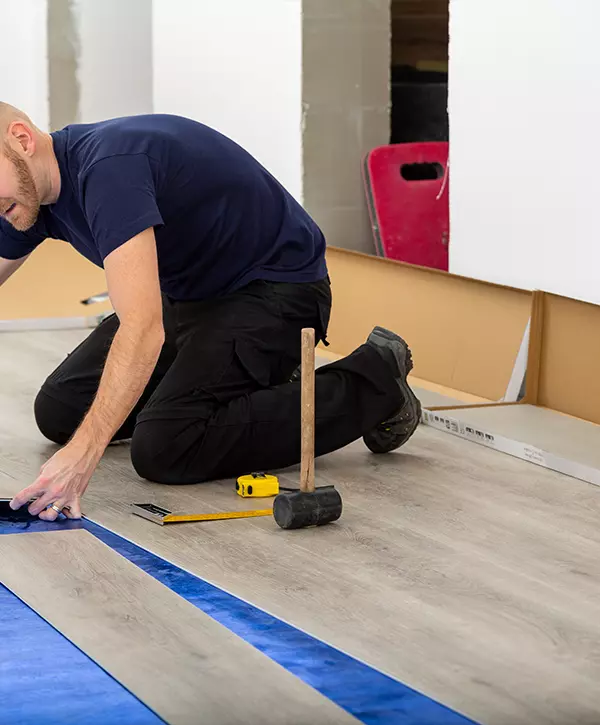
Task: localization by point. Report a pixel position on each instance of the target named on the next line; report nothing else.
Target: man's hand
(62, 481)
(134, 288)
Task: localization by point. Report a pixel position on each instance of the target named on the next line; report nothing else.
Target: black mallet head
(298, 509)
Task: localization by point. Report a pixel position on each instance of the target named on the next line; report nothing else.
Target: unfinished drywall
(63, 58)
(236, 66)
(346, 111)
(524, 114)
(115, 67)
(99, 60)
(302, 84)
(23, 58)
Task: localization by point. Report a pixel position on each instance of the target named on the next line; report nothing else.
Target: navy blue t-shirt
(221, 220)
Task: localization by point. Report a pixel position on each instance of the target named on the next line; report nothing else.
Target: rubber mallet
(309, 506)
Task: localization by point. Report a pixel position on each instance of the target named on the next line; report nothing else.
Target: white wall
(23, 58)
(525, 155)
(115, 64)
(236, 66)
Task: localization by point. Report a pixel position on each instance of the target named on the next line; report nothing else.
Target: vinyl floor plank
(465, 573)
(173, 657)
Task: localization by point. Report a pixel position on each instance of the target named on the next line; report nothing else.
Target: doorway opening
(419, 73)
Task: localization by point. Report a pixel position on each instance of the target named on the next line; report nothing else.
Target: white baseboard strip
(31, 324)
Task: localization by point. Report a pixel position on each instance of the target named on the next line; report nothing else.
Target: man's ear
(23, 135)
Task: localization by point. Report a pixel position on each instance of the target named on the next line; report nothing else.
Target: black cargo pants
(220, 402)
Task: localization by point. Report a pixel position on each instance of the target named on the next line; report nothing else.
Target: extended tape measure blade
(222, 516)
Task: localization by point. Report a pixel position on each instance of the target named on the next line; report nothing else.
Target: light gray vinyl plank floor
(177, 660)
(467, 574)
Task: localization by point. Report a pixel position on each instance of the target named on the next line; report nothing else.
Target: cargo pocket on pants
(255, 362)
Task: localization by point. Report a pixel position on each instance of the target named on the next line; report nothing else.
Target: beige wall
(52, 283)
(346, 111)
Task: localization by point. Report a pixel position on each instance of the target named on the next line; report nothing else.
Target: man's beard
(27, 209)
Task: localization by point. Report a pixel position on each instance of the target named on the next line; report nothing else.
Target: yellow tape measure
(257, 485)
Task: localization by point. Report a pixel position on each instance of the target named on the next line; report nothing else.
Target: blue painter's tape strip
(367, 694)
(37, 525)
(372, 697)
(46, 680)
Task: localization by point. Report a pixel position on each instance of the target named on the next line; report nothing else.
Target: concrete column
(115, 68)
(64, 51)
(346, 110)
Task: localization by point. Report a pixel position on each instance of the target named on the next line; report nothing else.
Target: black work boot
(393, 433)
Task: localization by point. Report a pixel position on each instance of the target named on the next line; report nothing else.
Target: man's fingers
(51, 514)
(71, 509)
(36, 489)
(74, 511)
(37, 506)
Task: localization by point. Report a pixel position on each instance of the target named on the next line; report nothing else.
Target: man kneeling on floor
(213, 269)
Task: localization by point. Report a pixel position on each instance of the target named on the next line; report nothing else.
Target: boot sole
(404, 360)
(403, 355)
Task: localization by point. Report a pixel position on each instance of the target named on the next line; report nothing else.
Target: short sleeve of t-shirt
(15, 244)
(119, 200)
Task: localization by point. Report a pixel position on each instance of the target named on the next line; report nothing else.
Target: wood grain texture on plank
(465, 573)
(173, 657)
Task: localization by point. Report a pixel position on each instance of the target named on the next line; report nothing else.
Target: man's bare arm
(132, 275)
(134, 289)
(9, 266)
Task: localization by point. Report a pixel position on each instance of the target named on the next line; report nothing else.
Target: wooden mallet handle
(307, 454)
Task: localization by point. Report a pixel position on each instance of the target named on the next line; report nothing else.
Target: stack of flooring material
(557, 424)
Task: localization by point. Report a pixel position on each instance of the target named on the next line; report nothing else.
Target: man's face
(19, 200)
